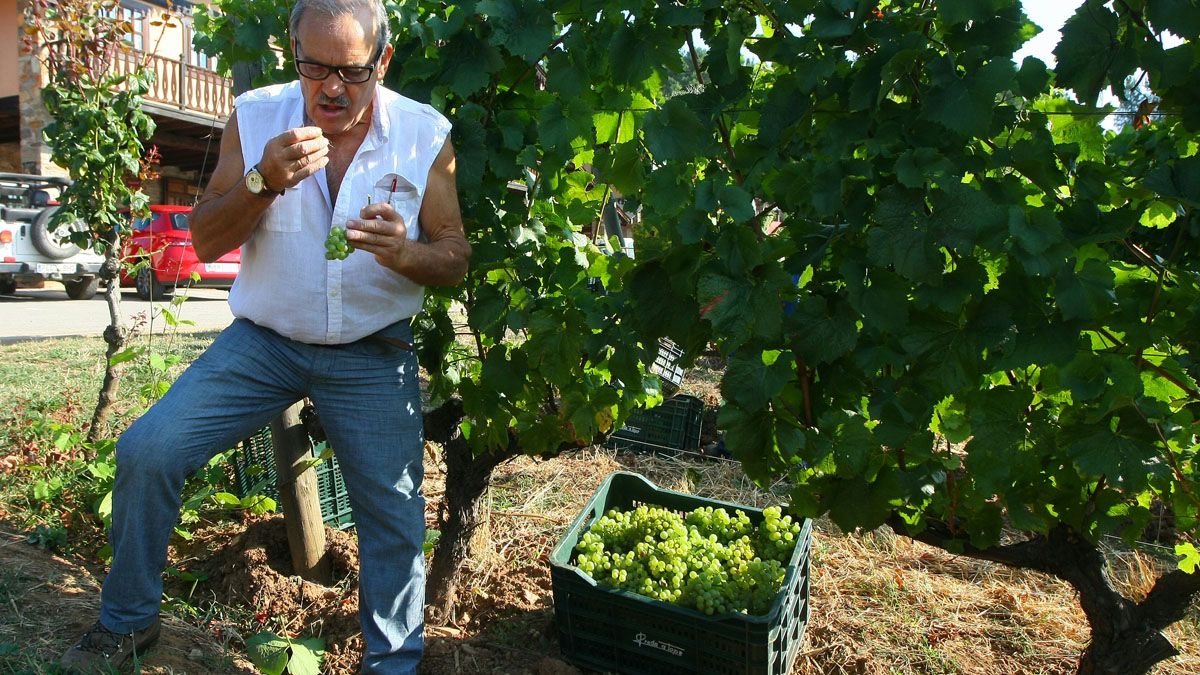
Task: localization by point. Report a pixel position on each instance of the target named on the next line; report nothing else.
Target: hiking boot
(101, 651)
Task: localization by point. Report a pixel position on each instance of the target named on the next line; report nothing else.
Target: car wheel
(8, 286)
(53, 242)
(83, 288)
(148, 286)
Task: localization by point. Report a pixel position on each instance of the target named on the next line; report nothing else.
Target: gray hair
(335, 8)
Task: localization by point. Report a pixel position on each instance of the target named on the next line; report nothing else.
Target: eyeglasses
(315, 70)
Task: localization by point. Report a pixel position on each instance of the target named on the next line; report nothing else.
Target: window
(202, 60)
(136, 37)
(140, 224)
(179, 221)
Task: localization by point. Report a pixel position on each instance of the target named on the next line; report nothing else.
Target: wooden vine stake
(297, 482)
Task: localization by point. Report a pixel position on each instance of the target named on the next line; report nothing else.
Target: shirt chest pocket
(284, 213)
(403, 196)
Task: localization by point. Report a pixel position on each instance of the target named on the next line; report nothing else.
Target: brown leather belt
(395, 342)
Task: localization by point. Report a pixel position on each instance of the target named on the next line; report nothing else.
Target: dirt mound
(248, 565)
(253, 569)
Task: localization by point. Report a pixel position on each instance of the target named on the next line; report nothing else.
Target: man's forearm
(438, 263)
(224, 222)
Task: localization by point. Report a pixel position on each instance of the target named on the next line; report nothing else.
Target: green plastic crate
(670, 427)
(666, 365)
(254, 470)
(606, 629)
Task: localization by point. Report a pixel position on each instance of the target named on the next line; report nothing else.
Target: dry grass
(46, 603)
(882, 603)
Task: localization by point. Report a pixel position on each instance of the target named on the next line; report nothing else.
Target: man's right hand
(293, 156)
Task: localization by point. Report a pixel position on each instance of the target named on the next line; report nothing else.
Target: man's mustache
(342, 100)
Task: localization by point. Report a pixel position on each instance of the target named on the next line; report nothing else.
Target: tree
(973, 322)
(96, 135)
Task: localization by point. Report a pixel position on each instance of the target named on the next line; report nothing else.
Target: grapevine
(708, 560)
(973, 259)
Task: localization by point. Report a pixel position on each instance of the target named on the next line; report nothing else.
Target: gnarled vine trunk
(465, 516)
(115, 337)
(1126, 635)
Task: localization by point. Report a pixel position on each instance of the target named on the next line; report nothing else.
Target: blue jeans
(367, 395)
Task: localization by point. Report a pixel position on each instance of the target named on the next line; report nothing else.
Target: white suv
(30, 250)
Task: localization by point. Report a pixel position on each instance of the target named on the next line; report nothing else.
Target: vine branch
(725, 139)
(1162, 372)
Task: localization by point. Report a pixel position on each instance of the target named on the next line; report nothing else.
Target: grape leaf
(1088, 48)
(525, 28)
(1087, 294)
(673, 131)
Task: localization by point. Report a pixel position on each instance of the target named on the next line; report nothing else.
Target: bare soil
(881, 603)
(53, 601)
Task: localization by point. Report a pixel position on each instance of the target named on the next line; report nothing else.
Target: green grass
(51, 387)
(63, 376)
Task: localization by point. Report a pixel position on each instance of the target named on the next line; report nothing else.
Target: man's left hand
(381, 231)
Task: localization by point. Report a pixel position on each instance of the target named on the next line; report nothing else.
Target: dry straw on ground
(46, 604)
(881, 603)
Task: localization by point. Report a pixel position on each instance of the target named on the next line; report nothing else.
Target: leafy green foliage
(98, 123)
(961, 248)
(96, 135)
(275, 655)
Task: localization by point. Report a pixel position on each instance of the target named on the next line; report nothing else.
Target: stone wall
(35, 154)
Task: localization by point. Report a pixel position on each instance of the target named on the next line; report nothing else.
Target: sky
(1050, 15)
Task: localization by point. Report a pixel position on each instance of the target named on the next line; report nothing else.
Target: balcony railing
(181, 85)
(176, 84)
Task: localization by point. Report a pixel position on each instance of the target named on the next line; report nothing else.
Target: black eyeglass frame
(329, 70)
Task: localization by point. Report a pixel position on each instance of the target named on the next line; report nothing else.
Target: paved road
(48, 312)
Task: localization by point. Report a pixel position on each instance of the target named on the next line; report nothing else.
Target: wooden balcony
(193, 94)
(190, 90)
(190, 107)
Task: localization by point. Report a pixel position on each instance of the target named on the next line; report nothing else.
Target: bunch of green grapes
(336, 246)
(777, 535)
(717, 521)
(708, 560)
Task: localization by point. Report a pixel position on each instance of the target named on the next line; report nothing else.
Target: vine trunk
(1126, 636)
(115, 337)
(465, 516)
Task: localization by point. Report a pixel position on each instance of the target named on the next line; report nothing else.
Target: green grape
(336, 246)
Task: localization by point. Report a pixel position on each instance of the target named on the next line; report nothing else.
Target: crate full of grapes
(648, 580)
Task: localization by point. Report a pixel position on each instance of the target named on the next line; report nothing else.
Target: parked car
(166, 241)
(31, 249)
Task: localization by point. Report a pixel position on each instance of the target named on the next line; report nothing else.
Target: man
(334, 148)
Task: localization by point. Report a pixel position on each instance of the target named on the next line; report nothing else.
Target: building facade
(189, 101)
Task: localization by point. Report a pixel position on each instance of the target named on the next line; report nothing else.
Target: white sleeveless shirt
(285, 282)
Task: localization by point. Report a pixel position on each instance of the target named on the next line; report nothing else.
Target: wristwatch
(258, 186)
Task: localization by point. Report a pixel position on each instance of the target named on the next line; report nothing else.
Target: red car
(165, 237)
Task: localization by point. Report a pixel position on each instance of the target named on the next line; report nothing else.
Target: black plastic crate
(672, 426)
(666, 365)
(254, 470)
(607, 629)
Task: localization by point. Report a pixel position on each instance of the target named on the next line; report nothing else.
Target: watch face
(254, 181)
